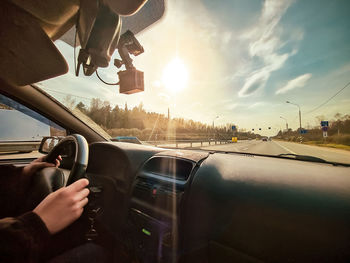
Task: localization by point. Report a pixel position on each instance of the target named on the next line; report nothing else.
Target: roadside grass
(331, 145)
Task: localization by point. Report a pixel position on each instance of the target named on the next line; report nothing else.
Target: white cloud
(257, 104)
(298, 82)
(226, 38)
(264, 43)
(164, 97)
(254, 82)
(232, 106)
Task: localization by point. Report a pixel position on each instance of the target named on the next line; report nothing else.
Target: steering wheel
(80, 159)
(51, 179)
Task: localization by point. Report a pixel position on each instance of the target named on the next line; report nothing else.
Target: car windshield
(264, 77)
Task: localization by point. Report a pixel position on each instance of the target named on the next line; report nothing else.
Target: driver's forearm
(13, 190)
(22, 239)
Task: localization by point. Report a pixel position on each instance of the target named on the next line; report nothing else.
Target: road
(279, 147)
(253, 146)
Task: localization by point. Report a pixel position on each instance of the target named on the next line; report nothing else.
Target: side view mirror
(47, 143)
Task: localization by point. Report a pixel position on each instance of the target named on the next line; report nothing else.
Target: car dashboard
(197, 206)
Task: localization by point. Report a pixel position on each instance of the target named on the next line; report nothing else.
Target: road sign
(233, 127)
(303, 131)
(324, 123)
(325, 128)
(325, 134)
(234, 139)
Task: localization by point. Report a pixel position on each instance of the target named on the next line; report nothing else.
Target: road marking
(288, 150)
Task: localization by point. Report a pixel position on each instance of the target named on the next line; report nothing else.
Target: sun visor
(27, 53)
(150, 13)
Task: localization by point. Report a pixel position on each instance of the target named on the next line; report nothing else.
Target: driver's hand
(62, 207)
(38, 164)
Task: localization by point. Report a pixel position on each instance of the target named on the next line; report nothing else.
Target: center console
(158, 197)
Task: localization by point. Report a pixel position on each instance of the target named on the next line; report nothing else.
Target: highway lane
(279, 147)
(252, 146)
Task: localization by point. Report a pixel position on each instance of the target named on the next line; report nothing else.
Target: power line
(64, 93)
(328, 99)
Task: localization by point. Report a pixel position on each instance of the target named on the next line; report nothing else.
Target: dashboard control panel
(157, 197)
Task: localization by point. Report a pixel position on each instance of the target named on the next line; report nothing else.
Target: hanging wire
(107, 83)
(75, 44)
(324, 103)
(75, 58)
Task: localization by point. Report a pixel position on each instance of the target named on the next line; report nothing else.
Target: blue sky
(244, 60)
(17, 126)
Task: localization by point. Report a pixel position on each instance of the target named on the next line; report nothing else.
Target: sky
(26, 127)
(239, 60)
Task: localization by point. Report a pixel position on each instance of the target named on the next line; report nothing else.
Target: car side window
(22, 129)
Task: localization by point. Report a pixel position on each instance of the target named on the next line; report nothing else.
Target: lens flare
(175, 75)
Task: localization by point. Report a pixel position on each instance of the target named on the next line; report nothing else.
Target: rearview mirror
(47, 143)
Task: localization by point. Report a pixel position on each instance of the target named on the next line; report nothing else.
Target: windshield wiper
(283, 155)
(303, 157)
(309, 158)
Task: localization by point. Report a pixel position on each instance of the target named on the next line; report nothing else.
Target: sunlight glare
(175, 75)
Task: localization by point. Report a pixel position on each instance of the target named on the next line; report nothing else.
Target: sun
(175, 75)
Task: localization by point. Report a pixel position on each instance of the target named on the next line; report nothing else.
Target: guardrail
(23, 147)
(187, 143)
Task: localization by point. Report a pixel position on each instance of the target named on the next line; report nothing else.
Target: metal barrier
(23, 147)
(187, 143)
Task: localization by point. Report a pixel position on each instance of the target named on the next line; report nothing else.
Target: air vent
(143, 185)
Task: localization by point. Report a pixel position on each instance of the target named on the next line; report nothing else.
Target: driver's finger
(83, 202)
(40, 159)
(57, 163)
(39, 165)
(78, 185)
(82, 194)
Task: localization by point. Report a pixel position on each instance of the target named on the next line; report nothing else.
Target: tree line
(338, 131)
(136, 121)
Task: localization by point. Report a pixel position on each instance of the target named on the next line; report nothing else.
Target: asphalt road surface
(253, 146)
(279, 147)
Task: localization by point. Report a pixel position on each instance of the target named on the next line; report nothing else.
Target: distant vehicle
(264, 139)
(129, 139)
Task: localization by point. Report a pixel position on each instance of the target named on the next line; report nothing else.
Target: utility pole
(299, 113)
(286, 122)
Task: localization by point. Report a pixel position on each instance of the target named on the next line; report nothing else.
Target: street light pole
(286, 122)
(213, 125)
(214, 120)
(299, 113)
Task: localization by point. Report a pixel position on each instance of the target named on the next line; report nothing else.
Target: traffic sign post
(303, 131)
(324, 125)
(234, 130)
